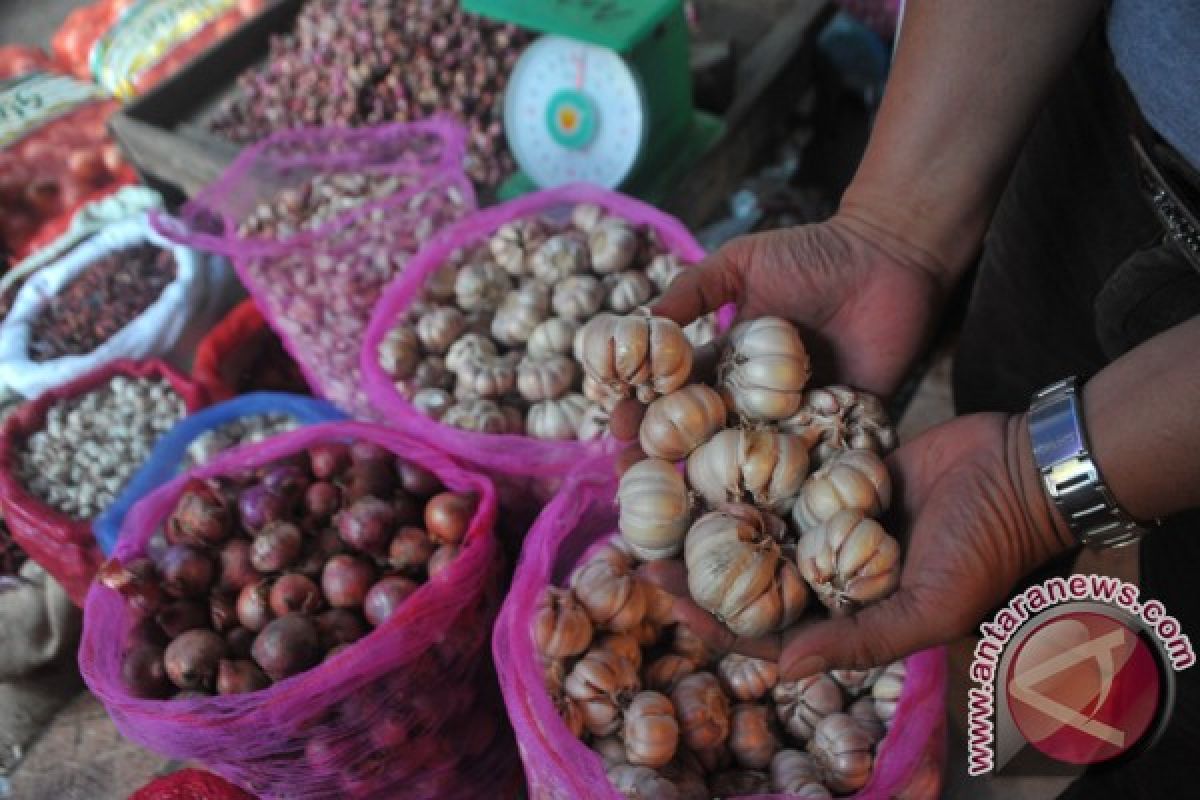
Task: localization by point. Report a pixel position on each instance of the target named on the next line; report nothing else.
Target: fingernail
(809, 665)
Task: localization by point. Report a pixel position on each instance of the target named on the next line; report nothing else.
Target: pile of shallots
(727, 486)
(266, 574)
(489, 347)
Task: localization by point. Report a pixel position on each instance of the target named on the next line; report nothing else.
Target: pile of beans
(265, 575)
(92, 444)
(366, 62)
(101, 300)
(315, 202)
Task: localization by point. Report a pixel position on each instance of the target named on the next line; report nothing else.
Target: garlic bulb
(887, 690)
(851, 480)
(738, 782)
(625, 645)
(561, 626)
(586, 216)
(849, 561)
(801, 704)
(651, 731)
(664, 673)
(431, 373)
(481, 285)
(856, 681)
(796, 773)
(864, 713)
(663, 270)
(556, 419)
(843, 750)
(600, 394)
(476, 415)
(613, 244)
(615, 599)
(837, 418)
(752, 738)
(400, 352)
(763, 369)
(486, 376)
(577, 297)
(626, 291)
(439, 286)
(432, 402)
(594, 424)
(554, 336)
(655, 509)
(686, 643)
(602, 683)
(737, 572)
(521, 311)
(702, 330)
(677, 423)
(513, 242)
(558, 258)
(438, 328)
(703, 710)
(641, 783)
(467, 347)
(747, 679)
(611, 749)
(571, 714)
(545, 379)
(648, 355)
(480, 322)
(738, 465)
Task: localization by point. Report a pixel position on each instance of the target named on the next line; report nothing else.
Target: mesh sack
(64, 546)
(170, 454)
(511, 454)
(410, 710)
(242, 354)
(316, 285)
(557, 765)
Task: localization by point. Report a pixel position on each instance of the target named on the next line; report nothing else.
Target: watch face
(1055, 432)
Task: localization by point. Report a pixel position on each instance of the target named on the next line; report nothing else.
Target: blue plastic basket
(169, 454)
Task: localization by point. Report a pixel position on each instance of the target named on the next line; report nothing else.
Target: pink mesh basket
(559, 766)
(410, 710)
(510, 454)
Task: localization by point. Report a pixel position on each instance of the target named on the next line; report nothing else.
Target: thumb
(876, 635)
(700, 289)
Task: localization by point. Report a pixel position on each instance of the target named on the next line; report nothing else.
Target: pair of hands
(968, 508)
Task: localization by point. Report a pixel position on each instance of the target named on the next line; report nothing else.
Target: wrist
(1049, 534)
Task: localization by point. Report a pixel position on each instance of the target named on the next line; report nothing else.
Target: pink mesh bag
(557, 765)
(511, 454)
(410, 710)
(317, 285)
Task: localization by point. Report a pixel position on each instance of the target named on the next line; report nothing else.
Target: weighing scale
(604, 96)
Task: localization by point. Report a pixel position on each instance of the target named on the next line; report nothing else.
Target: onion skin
(322, 500)
(417, 480)
(239, 677)
(448, 516)
(185, 571)
(192, 660)
(222, 612)
(289, 481)
(277, 547)
(410, 550)
(182, 616)
(236, 571)
(202, 516)
(143, 672)
(254, 607)
(287, 646)
(339, 626)
(240, 640)
(368, 478)
(258, 506)
(346, 581)
(294, 593)
(385, 598)
(367, 525)
(442, 558)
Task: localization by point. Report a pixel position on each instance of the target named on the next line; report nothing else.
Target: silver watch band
(1070, 476)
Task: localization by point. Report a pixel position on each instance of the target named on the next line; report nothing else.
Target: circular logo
(1084, 687)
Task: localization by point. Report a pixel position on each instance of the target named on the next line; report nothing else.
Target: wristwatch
(1071, 477)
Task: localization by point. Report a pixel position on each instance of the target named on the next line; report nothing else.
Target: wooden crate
(165, 133)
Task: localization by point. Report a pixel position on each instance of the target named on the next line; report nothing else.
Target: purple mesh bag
(557, 765)
(506, 454)
(410, 710)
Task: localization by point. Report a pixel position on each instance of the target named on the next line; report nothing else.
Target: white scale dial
(574, 112)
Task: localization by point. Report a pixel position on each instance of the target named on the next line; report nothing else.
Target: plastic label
(30, 101)
(144, 34)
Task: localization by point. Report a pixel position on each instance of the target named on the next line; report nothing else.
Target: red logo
(1083, 687)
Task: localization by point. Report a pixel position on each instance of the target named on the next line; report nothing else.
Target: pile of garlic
(488, 348)
(768, 493)
(673, 720)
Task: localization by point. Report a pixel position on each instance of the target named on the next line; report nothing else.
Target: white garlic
(763, 369)
(476, 415)
(677, 423)
(702, 331)
(560, 257)
(646, 355)
(738, 465)
(627, 291)
(663, 270)
(837, 418)
(797, 774)
(545, 379)
(886, 692)
(594, 424)
(432, 402)
(486, 376)
(438, 328)
(801, 704)
(554, 336)
(400, 352)
(519, 314)
(578, 297)
(586, 216)
(481, 285)
(849, 560)
(613, 243)
(600, 394)
(513, 243)
(467, 347)
(852, 479)
(844, 752)
(655, 509)
(556, 419)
